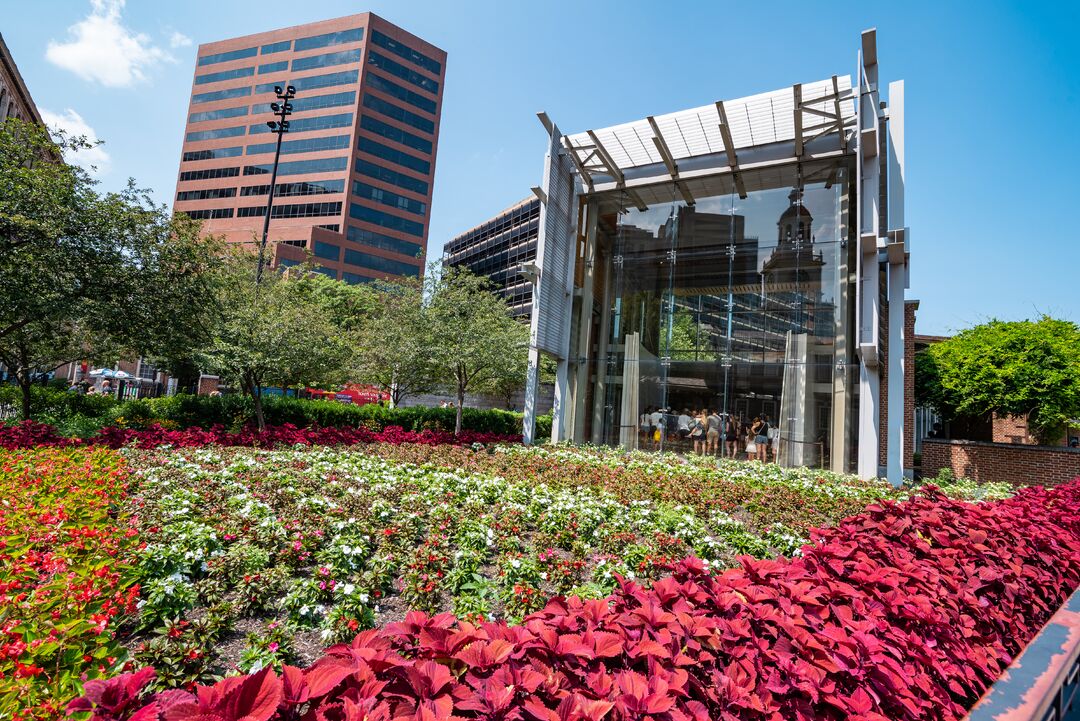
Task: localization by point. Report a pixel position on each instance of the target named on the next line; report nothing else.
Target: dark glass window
(304, 145)
(404, 51)
(206, 194)
(321, 122)
(383, 265)
(385, 242)
(269, 87)
(374, 170)
(209, 214)
(288, 262)
(391, 88)
(354, 279)
(394, 156)
(297, 167)
(395, 68)
(345, 77)
(220, 95)
(224, 75)
(209, 173)
(387, 197)
(214, 134)
(225, 57)
(324, 101)
(390, 110)
(321, 41)
(218, 114)
(213, 154)
(327, 251)
(274, 67)
(276, 47)
(322, 270)
(385, 220)
(297, 210)
(313, 82)
(396, 134)
(327, 60)
(331, 226)
(319, 187)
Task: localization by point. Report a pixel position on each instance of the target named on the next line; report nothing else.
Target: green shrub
(235, 411)
(56, 404)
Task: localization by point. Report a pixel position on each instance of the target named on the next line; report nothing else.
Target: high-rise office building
(497, 248)
(354, 184)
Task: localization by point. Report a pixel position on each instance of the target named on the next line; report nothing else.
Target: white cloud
(179, 40)
(101, 49)
(73, 124)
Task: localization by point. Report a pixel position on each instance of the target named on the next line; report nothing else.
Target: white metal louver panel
(754, 120)
(555, 252)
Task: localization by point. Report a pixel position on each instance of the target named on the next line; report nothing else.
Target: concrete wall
(1001, 462)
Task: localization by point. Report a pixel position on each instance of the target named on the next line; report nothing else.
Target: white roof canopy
(798, 115)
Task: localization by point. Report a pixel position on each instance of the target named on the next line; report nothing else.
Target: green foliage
(1024, 368)
(393, 345)
(88, 274)
(476, 344)
(276, 333)
(57, 405)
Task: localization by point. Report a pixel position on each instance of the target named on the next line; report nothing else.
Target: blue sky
(993, 106)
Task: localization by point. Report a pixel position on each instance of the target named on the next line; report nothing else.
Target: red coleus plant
(31, 434)
(906, 611)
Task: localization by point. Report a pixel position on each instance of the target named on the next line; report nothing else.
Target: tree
(1024, 368)
(84, 274)
(276, 333)
(393, 343)
(475, 340)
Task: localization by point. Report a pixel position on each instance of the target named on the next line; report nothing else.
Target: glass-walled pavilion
(745, 260)
(737, 307)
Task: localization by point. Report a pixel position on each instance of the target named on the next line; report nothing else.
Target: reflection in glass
(735, 308)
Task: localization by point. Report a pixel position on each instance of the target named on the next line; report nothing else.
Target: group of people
(709, 432)
(90, 389)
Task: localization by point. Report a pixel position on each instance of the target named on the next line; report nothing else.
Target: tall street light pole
(278, 127)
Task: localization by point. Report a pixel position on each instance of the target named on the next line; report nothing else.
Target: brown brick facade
(207, 385)
(1001, 462)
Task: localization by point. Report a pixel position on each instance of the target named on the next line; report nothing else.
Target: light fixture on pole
(279, 127)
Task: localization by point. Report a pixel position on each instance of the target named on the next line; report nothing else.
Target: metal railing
(1041, 684)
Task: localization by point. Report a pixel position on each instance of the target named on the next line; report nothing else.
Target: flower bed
(30, 434)
(906, 611)
(257, 557)
(764, 494)
(63, 575)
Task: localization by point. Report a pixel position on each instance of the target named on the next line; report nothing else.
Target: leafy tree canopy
(1023, 368)
(85, 274)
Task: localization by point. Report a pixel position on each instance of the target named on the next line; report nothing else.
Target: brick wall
(1001, 462)
(1010, 429)
(207, 385)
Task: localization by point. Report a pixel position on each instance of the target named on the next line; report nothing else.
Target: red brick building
(354, 185)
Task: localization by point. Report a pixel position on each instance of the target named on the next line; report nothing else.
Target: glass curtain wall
(734, 312)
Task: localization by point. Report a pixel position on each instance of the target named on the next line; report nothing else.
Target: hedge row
(906, 611)
(237, 411)
(30, 434)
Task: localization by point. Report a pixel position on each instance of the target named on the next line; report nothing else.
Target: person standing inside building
(712, 422)
(731, 437)
(656, 419)
(697, 432)
(761, 438)
(684, 424)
